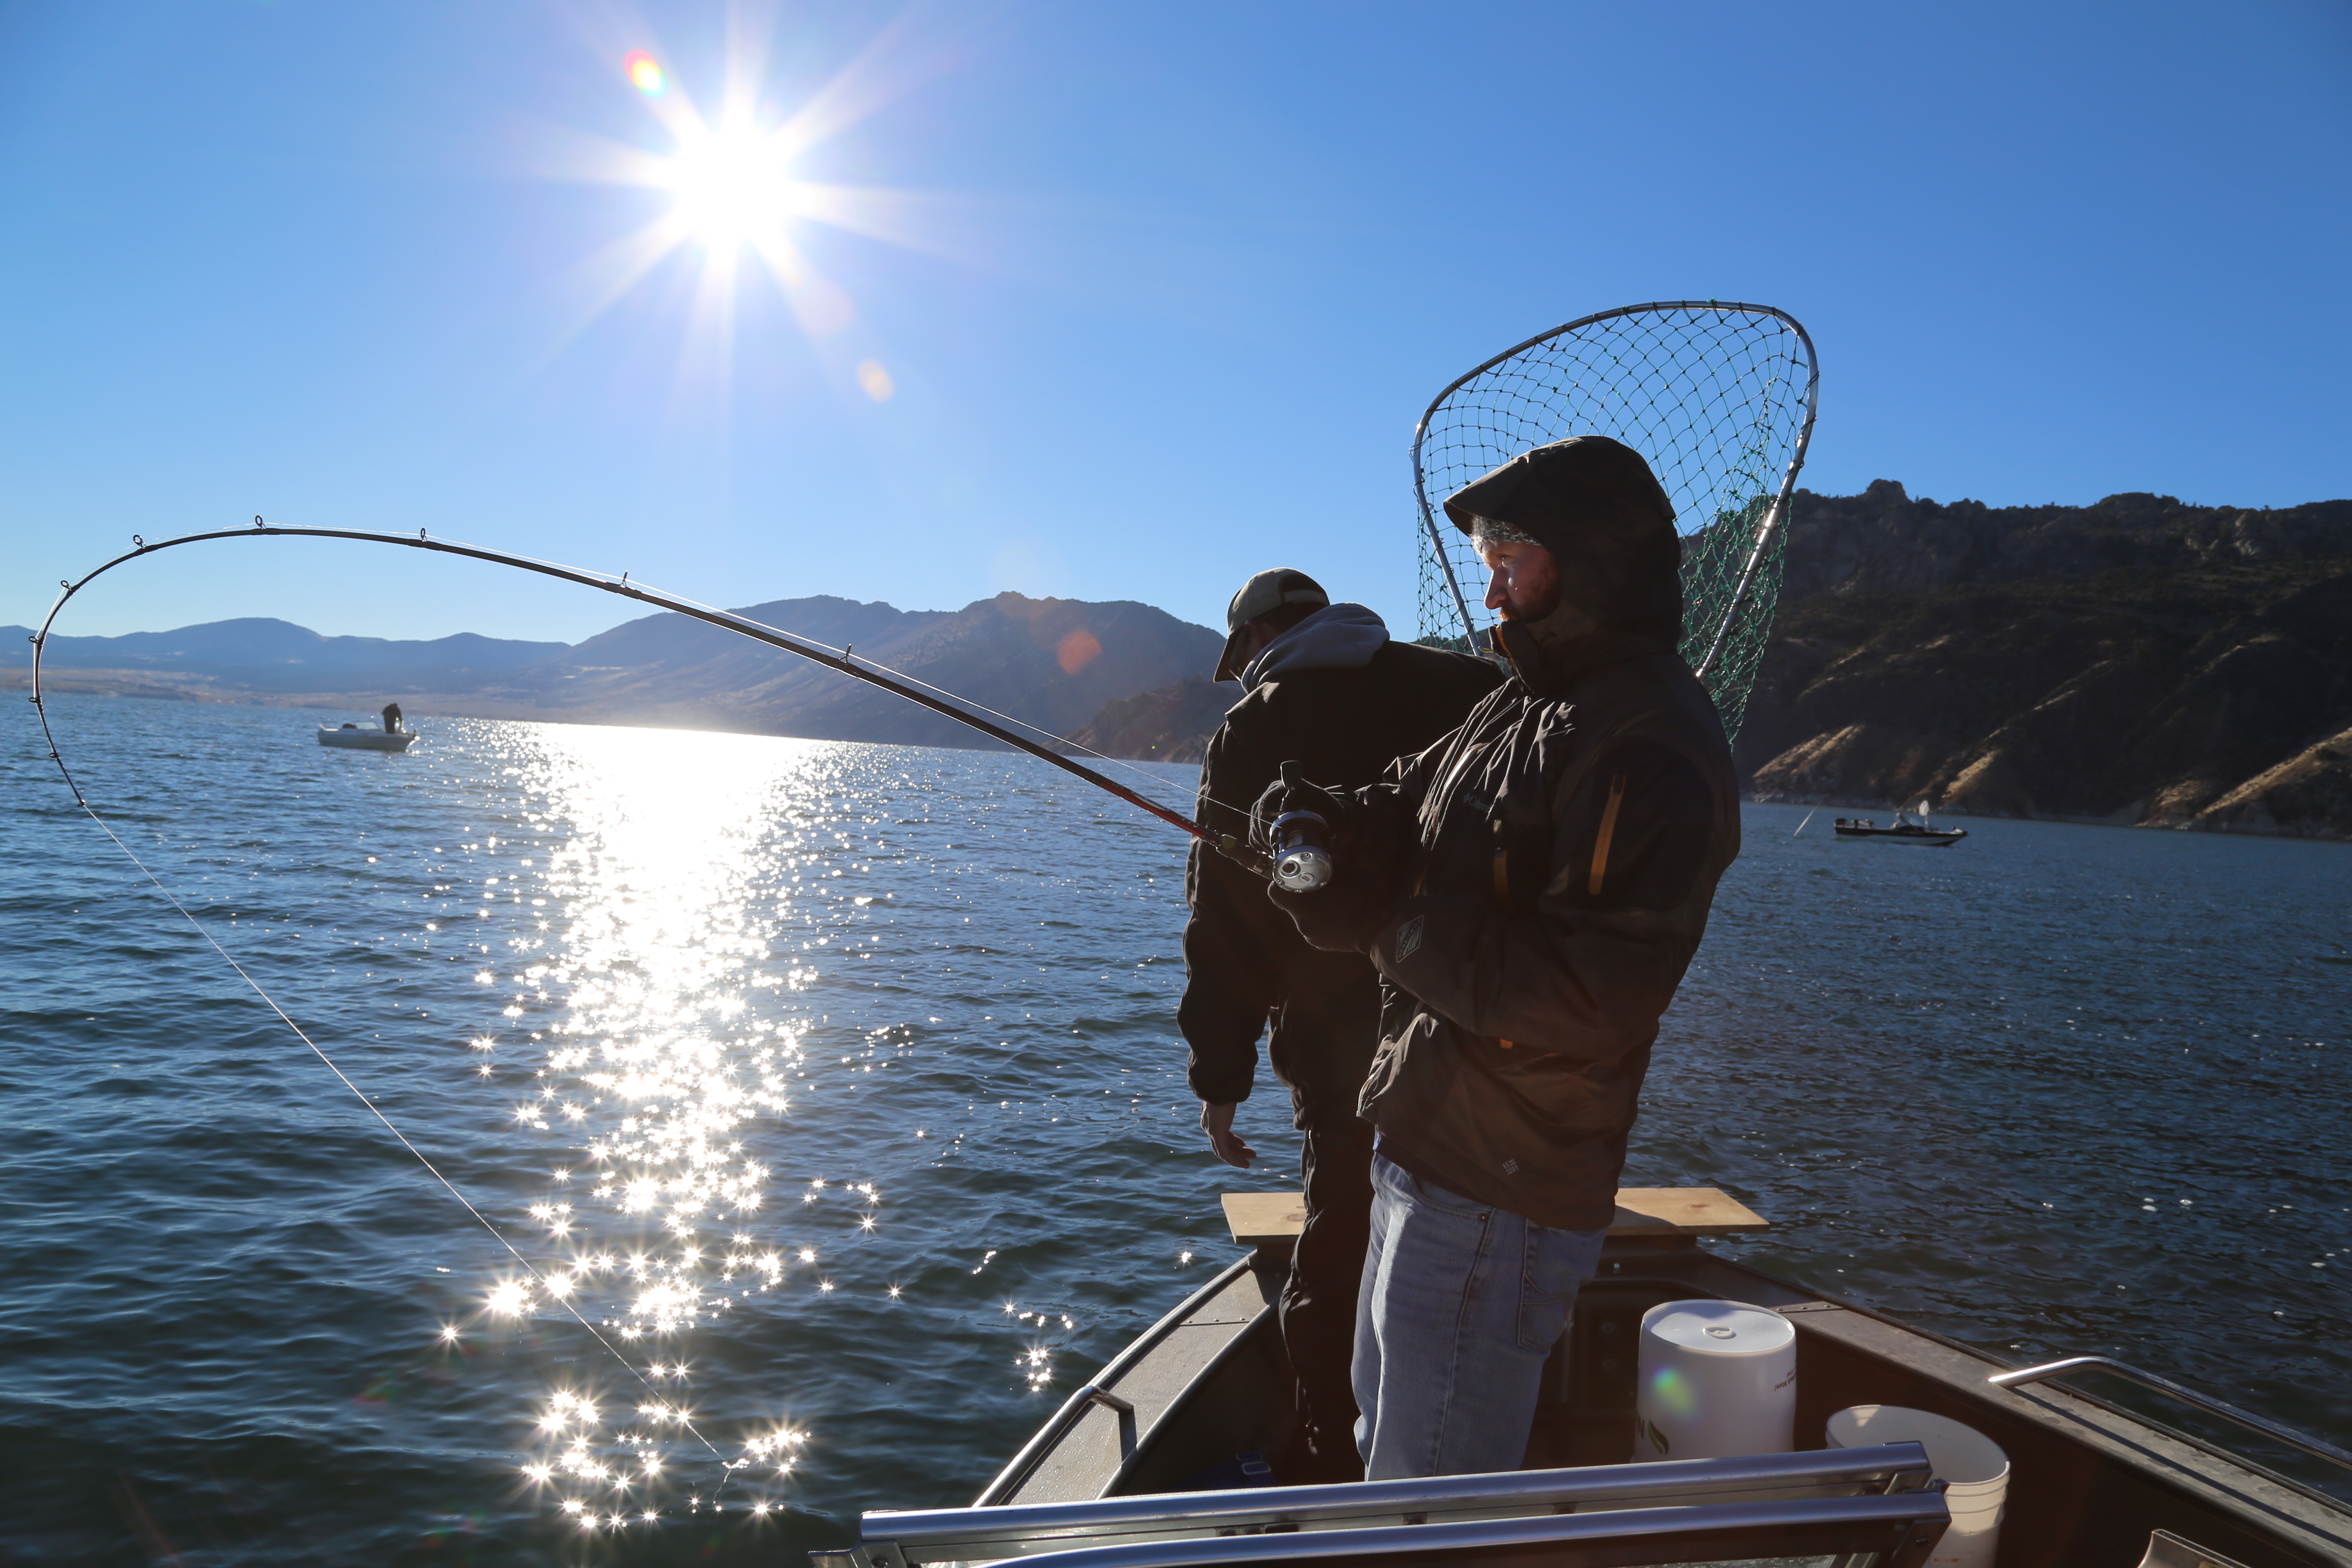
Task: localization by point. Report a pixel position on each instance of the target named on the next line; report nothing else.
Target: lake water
(836, 1090)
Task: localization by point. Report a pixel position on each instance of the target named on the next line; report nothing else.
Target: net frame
(1719, 396)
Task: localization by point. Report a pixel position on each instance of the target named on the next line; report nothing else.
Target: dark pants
(1319, 1304)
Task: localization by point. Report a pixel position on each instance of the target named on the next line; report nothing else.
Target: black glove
(1342, 918)
(1346, 915)
(1290, 793)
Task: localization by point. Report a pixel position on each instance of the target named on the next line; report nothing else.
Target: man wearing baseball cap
(1327, 688)
(1531, 891)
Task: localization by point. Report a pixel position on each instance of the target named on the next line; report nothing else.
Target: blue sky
(1158, 289)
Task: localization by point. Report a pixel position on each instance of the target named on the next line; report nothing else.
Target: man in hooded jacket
(1326, 687)
(1531, 888)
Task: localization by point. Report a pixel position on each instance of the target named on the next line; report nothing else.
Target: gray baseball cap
(1262, 595)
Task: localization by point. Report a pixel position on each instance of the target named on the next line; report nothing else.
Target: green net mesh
(1718, 398)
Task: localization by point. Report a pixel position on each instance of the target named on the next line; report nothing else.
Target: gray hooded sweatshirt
(1337, 637)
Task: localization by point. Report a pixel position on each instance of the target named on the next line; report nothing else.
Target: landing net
(1720, 398)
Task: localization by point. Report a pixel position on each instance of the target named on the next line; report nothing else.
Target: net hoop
(1711, 401)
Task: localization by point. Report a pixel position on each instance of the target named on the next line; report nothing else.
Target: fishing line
(909, 687)
(377, 1112)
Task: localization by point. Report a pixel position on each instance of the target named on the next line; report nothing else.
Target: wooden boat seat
(1258, 1219)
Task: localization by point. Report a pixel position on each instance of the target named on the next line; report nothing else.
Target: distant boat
(1904, 831)
(391, 737)
(366, 740)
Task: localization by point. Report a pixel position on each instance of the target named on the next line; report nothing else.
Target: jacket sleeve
(1233, 978)
(1587, 967)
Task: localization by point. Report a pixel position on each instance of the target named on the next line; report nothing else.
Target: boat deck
(2090, 1481)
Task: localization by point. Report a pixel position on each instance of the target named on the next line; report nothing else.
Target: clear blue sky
(1158, 289)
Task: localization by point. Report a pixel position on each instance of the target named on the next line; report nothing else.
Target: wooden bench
(1256, 1218)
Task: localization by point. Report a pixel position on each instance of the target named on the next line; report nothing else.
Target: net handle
(1772, 518)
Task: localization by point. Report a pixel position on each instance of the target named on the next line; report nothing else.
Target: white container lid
(1719, 1328)
(1960, 1456)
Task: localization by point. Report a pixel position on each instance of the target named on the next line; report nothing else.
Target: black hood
(1595, 505)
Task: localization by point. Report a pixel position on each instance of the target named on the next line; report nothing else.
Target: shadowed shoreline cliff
(2139, 662)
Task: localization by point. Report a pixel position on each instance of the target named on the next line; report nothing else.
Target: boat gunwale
(1195, 1388)
(1058, 1425)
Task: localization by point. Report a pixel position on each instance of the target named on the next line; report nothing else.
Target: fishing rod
(831, 657)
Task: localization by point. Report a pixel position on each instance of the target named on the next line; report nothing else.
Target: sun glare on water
(675, 899)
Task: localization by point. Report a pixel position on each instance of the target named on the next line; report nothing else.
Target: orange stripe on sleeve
(1607, 831)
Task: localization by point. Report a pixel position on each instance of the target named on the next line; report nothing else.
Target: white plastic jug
(1716, 1379)
(1974, 1471)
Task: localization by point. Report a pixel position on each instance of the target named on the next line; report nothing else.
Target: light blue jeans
(1461, 1304)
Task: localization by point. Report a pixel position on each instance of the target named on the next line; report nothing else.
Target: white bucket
(1974, 1470)
(1716, 1379)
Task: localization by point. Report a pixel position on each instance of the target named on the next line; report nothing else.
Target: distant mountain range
(1053, 663)
(2137, 661)
(278, 655)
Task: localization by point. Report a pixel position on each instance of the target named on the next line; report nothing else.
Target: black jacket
(1558, 855)
(1247, 964)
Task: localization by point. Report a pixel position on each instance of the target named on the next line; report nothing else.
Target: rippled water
(829, 1098)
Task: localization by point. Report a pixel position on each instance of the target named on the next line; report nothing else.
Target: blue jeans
(1461, 1304)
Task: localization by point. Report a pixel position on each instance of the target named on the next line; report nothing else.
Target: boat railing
(2165, 1385)
(1878, 1504)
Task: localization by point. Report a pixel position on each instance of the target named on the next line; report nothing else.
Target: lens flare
(645, 72)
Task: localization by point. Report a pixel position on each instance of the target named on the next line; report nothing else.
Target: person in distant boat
(391, 718)
(1531, 891)
(1326, 687)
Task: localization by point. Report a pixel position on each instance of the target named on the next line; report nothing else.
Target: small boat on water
(1156, 1462)
(1903, 830)
(391, 737)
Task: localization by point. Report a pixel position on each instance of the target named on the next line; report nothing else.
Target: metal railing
(1895, 1532)
(2165, 1385)
(1568, 1504)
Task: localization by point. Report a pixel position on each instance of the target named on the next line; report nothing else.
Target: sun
(733, 186)
(731, 199)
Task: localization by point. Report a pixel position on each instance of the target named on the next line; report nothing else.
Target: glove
(1342, 918)
(1290, 793)
(1346, 915)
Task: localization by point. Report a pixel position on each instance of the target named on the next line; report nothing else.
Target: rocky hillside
(2139, 661)
(1171, 725)
(1053, 663)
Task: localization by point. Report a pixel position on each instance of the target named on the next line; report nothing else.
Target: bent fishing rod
(831, 658)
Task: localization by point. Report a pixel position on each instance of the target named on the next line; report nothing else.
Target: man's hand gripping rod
(1301, 861)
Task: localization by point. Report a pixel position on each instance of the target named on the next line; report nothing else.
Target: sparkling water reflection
(836, 1089)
